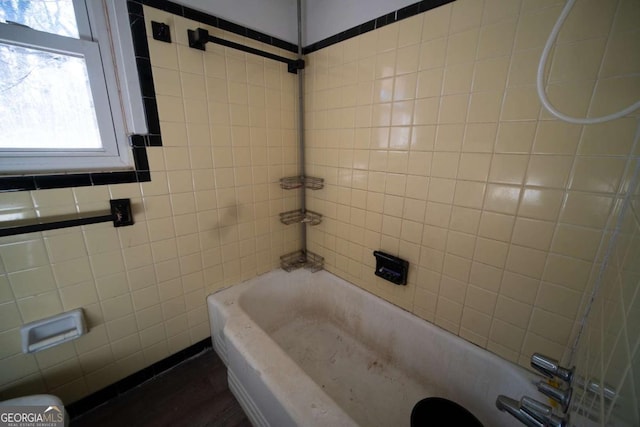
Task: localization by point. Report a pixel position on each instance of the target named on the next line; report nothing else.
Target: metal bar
(248, 49)
(32, 228)
(199, 37)
(120, 215)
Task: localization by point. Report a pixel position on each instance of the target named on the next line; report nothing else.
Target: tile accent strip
(381, 21)
(86, 404)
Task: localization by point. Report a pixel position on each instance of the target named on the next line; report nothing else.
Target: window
(61, 109)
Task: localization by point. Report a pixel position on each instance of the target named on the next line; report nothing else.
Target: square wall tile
(496, 226)
(502, 198)
(476, 322)
(496, 40)
(479, 137)
(556, 137)
(481, 300)
(520, 103)
(469, 194)
(526, 261)
(541, 204)
(558, 300)
(40, 306)
(491, 252)
(490, 74)
(600, 175)
(507, 334)
(474, 166)
(464, 219)
(553, 327)
(515, 137)
(513, 312)
(533, 233)
(32, 282)
(576, 242)
(586, 209)
(520, 288)
(548, 171)
(25, 255)
(508, 168)
(10, 316)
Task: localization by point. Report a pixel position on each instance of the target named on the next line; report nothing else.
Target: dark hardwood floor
(194, 393)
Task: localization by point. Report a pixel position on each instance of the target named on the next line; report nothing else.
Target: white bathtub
(310, 349)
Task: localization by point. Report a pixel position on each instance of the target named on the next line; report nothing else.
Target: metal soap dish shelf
(297, 216)
(302, 259)
(292, 182)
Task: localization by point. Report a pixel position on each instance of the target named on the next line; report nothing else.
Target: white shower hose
(540, 80)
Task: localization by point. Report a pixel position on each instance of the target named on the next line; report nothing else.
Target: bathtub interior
(305, 314)
(371, 389)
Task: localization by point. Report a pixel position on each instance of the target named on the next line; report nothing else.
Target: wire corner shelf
(302, 259)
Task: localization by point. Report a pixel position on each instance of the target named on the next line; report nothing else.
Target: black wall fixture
(391, 268)
(200, 37)
(120, 214)
(161, 31)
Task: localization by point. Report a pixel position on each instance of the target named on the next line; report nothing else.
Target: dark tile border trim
(138, 142)
(90, 402)
(214, 21)
(381, 21)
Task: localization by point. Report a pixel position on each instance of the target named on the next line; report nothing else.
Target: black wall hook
(161, 31)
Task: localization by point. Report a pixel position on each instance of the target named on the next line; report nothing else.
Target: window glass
(60, 104)
(45, 101)
(52, 16)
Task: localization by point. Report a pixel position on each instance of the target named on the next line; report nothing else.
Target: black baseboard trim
(96, 399)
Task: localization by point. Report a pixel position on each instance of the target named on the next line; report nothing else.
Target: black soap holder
(121, 212)
(391, 268)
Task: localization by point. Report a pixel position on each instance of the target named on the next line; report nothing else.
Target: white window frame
(105, 44)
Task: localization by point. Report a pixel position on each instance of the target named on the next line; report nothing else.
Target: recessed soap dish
(54, 330)
(391, 268)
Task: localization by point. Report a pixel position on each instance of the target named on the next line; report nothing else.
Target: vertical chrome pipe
(301, 168)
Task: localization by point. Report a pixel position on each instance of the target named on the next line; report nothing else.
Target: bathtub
(310, 349)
